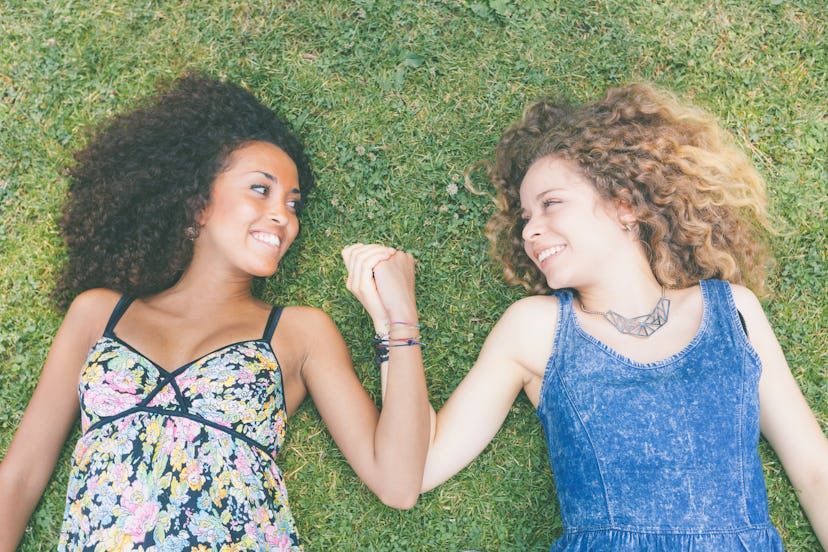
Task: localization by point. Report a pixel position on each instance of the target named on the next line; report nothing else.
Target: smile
(546, 253)
(269, 239)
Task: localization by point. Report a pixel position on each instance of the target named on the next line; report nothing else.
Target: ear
(203, 213)
(624, 212)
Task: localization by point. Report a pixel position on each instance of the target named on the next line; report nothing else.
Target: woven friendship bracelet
(412, 324)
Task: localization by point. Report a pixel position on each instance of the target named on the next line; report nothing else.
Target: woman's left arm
(786, 420)
(386, 449)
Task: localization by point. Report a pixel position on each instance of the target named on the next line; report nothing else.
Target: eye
(296, 205)
(262, 189)
(549, 203)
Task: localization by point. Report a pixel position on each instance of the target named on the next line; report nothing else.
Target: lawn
(396, 101)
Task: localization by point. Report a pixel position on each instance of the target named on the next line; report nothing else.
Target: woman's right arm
(513, 357)
(52, 410)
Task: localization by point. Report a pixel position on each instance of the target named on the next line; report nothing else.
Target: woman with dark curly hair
(173, 209)
(651, 357)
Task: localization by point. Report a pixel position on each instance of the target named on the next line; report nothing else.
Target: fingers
(394, 282)
(360, 261)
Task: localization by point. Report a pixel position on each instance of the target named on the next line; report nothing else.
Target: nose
(530, 230)
(278, 213)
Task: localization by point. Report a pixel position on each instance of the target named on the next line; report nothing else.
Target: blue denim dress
(662, 455)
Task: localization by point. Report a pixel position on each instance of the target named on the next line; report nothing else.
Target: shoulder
(746, 301)
(528, 317)
(530, 309)
(93, 300)
(743, 295)
(525, 333)
(307, 317)
(309, 343)
(308, 327)
(91, 310)
(758, 327)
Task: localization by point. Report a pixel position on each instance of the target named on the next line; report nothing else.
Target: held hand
(360, 260)
(394, 279)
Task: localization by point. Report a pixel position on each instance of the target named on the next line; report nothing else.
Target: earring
(191, 232)
(627, 228)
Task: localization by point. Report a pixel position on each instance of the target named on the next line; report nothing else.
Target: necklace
(638, 326)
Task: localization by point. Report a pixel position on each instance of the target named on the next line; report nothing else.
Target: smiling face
(251, 218)
(570, 233)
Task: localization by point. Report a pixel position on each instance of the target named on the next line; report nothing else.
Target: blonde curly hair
(699, 203)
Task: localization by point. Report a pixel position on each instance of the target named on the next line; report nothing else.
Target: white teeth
(270, 239)
(546, 253)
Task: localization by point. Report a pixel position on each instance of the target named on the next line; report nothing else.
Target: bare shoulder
(748, 304)
(524, 337)
(303, 318)
(90, 311)
(306, 334)
(743, 297)
(529, 317)
(534, 306)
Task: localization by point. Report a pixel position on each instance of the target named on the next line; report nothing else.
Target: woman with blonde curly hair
(650, 359)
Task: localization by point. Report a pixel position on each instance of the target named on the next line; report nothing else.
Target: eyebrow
(268, 176)
(276, 180)
(546, 191)
(539, 196)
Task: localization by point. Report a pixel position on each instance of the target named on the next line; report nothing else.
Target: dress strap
(272, 321)
(723, 287)
(120, 308)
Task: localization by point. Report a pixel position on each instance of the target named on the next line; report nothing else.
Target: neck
(210, 288)
(643, 323)
(630, 296)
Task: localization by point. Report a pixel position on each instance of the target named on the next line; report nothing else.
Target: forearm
(402, 434)
(17, 502)
(814, 501)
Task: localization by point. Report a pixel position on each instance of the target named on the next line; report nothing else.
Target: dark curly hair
(699, 204)
(146, 174)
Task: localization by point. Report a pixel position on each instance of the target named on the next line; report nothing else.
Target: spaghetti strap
(123, 304)
(272, 321)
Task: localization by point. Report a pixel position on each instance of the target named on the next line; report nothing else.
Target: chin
(558, 283)
(265, 272)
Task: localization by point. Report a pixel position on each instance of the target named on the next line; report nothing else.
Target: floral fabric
(182, 460)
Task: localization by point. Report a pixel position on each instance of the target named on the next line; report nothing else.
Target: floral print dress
(181, 460)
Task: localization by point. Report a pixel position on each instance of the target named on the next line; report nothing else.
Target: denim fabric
(662, 455)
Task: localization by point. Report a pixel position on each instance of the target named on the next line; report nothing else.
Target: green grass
(396, 100)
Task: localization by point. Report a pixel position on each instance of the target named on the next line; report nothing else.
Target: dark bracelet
(408, 342)
(381, 345)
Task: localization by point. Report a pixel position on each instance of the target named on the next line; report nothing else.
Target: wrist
(396, 334)
(403, 329)
(381, 324)
(396, 317)
(404, 316)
